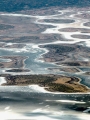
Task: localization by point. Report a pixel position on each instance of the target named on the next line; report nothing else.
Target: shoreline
(46, 91)
(42, 17)
(50, 83)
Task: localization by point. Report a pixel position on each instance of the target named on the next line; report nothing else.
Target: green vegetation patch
(29, 79)
(18, 70)
(60, 87)
(50, 82)
(59, 21)
(60, 48)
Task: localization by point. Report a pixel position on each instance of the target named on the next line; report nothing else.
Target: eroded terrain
(48, 42)
(61, 36)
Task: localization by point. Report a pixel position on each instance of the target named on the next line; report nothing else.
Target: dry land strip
(52, 83)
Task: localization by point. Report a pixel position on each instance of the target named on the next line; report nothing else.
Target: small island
(18, 70)
(53, 83)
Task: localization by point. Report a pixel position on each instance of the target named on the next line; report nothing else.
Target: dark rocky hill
(17, 5)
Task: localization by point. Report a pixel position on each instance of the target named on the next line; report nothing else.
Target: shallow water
(33, 102)
(33, 61)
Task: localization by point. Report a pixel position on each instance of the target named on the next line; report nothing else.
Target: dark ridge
(17, 5)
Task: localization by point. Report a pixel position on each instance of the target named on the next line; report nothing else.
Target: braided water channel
(33, 102)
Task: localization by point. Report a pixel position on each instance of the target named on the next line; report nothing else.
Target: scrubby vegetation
(18, 70)
(60, 87)
(60, 48)
(50, 82)
(59, 20)
(5, 27)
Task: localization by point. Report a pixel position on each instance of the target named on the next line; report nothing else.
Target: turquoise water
(32, 62)
(30, 102)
